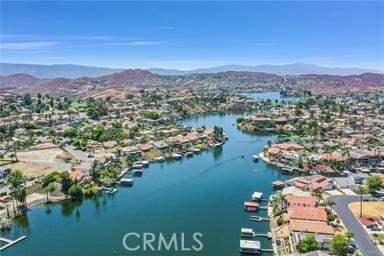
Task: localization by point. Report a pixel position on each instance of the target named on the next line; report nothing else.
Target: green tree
(50, 189)
(308, 244)
(71, 132)
(330, 203)
(66, 182)
(21, 195)
(76, 192)
(339, 245)
(16, 178)
(349, 235)
(27, 99)
(374, 183)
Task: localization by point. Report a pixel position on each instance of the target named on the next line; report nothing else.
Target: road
(363, 240)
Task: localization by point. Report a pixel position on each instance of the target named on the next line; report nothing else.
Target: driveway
(363, 240)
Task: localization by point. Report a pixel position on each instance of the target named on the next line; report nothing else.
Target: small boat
(189, 154)
(250, 247)
(137, 166)
(137, 172)
(145, 163)
(247, 232)
(196, 150)
(255, 218)
(159, 158)
(256, 196)
(112, 191)
(287, 170)
(126, 182)
(255, 158)
(176, 156)
(251, 206)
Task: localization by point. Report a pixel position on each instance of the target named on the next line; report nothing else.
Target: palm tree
(330, 203)
(362, 190)
(49, 189)
(349, 235)
(317, 193)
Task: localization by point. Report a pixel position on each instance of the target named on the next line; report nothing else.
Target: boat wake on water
(205, 171)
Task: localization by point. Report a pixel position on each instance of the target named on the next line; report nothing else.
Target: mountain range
(74, 71)
(137, 79)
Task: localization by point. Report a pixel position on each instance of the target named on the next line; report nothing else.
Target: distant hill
(139, 79)
(75, 71)
(286, 69)
(53, 71)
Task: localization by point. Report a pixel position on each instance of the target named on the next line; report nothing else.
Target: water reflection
(68, 207)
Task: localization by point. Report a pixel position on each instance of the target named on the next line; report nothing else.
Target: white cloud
(27, 45)
(262, 44)
(317, 59)
(138, 43)
(167, 28)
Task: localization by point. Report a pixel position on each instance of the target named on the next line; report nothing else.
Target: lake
(203, 194)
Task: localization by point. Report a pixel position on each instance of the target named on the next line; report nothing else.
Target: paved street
(352, 224)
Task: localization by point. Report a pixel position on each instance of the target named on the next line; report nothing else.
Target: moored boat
(247, 232)
(250, 247)
(176, 156)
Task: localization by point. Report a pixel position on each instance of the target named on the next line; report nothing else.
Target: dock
(109, 190)
(267, 235)
(9, 243)
(258, 218)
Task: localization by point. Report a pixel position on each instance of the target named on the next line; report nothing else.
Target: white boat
(137, 172)
(159, 158)
(247, 232)
(196, 150)
(255, 157)
(250, 247)
(145, 163)
(287, 170)
(126, 182)
(137, 166)
(256, 196)
(176, 156)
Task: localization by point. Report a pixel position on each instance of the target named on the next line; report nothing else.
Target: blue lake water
(202, 194)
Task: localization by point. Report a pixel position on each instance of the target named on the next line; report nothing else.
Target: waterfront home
(289, 146)
(133, 150)
(313, 182)
(78, 176)
(145, 147)
(307, 213)
(161, 146)
(302, 201)
(347, 182)
(311, 227)
(323, 240)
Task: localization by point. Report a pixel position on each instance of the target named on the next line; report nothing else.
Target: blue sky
(188, 35)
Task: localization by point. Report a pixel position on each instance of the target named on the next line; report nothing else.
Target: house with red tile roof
(145, 147)
(313, 182)
(78, 176)
(302, 201)
(307, 213)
